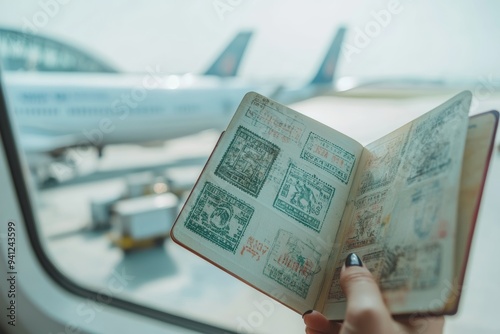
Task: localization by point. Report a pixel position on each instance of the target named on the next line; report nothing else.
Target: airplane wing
(228, 62)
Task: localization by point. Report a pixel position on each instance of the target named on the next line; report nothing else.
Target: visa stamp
(410, 266)
(431, 145)
(247, 161)
(266, 115)
(370, 260)
(329, 157)
(426, 202)
(292, 263)
(396, 268)
(255, 248)
(367, 227)
(219, 217)
(335, 293)
(304, 197)
(382, 165)
(431, 157)
(427, 268)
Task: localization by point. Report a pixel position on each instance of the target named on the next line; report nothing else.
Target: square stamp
(219, 217)
(367, 227)
(382, 165)
(370, 260)
(416, 267)
(329, 157)
(269, 117)
(304, 197)
(335, 293)
(247, 161)
(292, 263)
(432, 144)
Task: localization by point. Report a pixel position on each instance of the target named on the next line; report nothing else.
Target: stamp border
(308, 286)
(326, 170)
(320, 225)
(356, 206)
(189, 217)
(276, 110)
(395, 168)
(218, 174)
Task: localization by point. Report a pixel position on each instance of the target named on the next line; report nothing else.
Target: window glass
(113, 107)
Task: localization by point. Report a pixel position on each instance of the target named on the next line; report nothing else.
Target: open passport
(283, 199)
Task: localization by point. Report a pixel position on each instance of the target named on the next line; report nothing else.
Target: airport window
(117, 115)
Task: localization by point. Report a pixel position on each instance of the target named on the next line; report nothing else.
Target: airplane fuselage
(100, 109)
(59, 110)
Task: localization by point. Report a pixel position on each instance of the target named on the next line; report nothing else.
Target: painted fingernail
(306, 312)
(353, 260)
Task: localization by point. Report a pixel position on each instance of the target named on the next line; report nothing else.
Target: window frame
(16, 169)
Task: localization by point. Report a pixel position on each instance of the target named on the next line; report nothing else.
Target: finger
(422, 325)
(316, 323)
(435, 325)
(312, 331)
(366, 311)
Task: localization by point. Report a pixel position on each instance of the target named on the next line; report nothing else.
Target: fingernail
(306, 312)
(353, 260)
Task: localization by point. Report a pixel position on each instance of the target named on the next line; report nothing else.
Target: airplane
(57, 111)
(54, 109)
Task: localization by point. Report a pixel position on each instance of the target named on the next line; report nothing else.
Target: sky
(392, 38)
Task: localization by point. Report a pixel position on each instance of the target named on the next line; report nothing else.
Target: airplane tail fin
(227, 64)
(326, 71)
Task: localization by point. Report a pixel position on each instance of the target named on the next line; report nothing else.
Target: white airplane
(61, 110)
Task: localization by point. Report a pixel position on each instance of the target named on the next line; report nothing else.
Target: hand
(366, 311)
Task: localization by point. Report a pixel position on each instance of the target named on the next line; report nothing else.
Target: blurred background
(424, 39)
(119, 103)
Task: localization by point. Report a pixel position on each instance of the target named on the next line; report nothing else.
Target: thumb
(366, 311)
